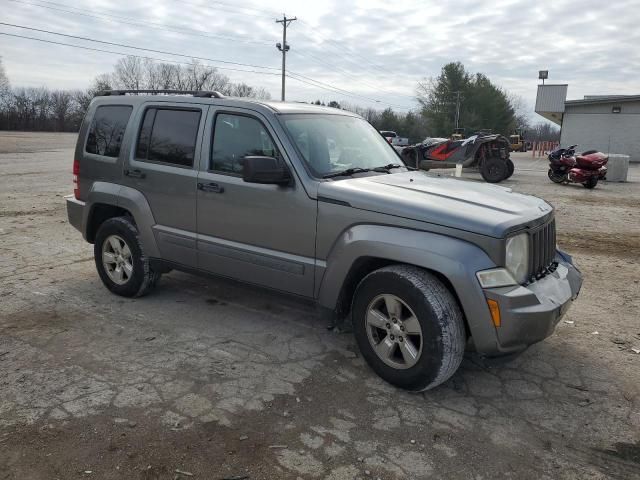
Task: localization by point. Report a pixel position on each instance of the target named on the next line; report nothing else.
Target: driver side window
(236, 137)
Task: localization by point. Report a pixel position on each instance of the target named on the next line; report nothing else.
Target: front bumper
(530, 314)
(75, 212)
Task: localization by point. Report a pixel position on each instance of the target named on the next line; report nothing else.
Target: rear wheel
(120, 261)
(510, 168)
(493, 170)
(557, 177)
(591, 182)
(408, 326)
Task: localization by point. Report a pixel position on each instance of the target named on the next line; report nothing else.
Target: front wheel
(494, 170)
(557, 177)
(408, 326)
(591, 182)
(121, 264)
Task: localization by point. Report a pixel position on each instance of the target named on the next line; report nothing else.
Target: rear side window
(168, 136)
(107, 130)
(236, 137)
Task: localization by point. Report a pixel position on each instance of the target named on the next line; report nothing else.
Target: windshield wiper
(346, 173)
(386, 168)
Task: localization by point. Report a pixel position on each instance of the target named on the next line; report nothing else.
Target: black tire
(510, 168)
(443, 333)
(493, 170)
(557, 177)
(142, 278)
(591, 182)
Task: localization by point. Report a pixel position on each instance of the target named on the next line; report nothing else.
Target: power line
(87, 39)
(122, 54)
(318, 83)
(236, 7)
(146, 57)
(331, 88)
(339, 48)
(139, 23)
(350, 75)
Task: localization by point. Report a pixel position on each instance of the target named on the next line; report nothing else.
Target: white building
(608, 123)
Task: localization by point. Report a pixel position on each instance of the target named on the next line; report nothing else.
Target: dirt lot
(218, 381)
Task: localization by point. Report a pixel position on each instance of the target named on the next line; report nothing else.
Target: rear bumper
(75, 212)
(530, 314)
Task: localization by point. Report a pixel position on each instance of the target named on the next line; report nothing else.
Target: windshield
(335, 143)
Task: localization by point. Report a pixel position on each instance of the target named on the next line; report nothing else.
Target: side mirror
(257, 169)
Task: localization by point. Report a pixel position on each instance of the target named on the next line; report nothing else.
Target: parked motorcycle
(586, 168)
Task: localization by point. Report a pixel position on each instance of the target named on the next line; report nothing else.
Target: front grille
(543, 250)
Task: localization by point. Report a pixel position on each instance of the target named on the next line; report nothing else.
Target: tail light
(76, 173)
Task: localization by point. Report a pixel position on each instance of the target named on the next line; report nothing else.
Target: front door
(163, 166)
(262, 234)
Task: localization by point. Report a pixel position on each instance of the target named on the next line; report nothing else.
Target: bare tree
(5, 87)
(519, 105)
(129, 73)
(242, 90)
(61, 105)
(61, 110)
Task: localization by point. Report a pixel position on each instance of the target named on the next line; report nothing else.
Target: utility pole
(283, 47)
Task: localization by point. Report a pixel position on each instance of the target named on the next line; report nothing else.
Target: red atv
(488, 153)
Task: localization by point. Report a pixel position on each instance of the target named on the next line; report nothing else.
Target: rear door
(262, 234)
(163, 166)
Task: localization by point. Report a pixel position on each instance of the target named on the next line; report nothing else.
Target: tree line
(44, 109)
(470, 98)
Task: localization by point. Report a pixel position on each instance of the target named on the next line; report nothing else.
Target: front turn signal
(494, 308)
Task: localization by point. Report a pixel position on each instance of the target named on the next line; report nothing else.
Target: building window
(616, 109)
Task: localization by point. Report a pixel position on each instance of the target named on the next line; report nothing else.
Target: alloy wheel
(117, 259)
(394, 331)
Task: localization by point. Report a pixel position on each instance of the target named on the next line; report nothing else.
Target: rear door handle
(211, 187)
(135, 173)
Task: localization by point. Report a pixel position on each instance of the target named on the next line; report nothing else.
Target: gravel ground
(209, 379)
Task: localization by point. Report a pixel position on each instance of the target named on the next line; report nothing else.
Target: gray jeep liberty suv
(314, 202)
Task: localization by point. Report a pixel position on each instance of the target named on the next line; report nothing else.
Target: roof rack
(195, 93)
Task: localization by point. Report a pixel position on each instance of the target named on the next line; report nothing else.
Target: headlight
(517, 257)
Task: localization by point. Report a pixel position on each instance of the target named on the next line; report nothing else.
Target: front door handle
(211, 187)
(135, 173)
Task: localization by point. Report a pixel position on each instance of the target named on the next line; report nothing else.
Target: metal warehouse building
(609, 123)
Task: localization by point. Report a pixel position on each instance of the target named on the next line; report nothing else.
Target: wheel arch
(365, 248)
(363, 266)
(99, 213)
(107, 200)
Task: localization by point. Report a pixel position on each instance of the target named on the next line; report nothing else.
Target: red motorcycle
(586, 168)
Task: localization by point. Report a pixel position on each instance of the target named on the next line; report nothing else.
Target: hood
(472, 206)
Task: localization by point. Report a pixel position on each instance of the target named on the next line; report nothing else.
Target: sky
(366, 52)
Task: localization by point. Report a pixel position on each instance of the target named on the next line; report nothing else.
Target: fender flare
(129, 199)
(454, 259)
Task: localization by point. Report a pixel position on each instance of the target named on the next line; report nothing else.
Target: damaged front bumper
(530, 313)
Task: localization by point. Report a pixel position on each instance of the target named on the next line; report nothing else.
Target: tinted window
(168, 136)
(236, 137)
(107, 130)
